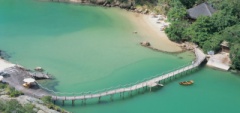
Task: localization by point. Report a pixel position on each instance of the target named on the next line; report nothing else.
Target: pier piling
(138, 86)
(62, 102)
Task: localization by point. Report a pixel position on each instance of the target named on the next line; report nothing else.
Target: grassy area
(10, 90)
(48, 102)
(13, 106)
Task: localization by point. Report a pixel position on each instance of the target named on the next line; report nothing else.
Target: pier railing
(110, 88)
(141, 84)
(127, 87)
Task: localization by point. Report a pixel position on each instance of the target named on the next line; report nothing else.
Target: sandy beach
(4, 64)
(149, 29)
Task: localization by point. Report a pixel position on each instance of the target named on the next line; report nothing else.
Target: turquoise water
(88, 48)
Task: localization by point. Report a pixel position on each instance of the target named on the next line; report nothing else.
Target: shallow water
(89, 48)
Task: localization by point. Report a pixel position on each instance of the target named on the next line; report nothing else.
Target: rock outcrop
(39, 75)
(145, 43)
(23, 99)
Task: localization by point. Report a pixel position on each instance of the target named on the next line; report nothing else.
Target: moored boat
(190, 82)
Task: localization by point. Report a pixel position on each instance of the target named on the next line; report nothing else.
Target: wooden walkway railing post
(134, 87)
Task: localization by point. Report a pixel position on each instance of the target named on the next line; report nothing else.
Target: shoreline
(4, 64)
(13, 76)
(149, 30)
(147, 27)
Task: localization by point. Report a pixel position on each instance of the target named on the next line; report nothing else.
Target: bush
(57, 108)
(47, 99)
(16, 107)
(2, 105)
(48, 102)
(2, 86)
(12, 92)
(28, 108)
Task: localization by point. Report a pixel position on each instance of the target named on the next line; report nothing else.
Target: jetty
(142, 85)
(200, 57)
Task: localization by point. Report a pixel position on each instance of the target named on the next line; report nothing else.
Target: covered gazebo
(225, 46)
(28, 82)
(203, 9)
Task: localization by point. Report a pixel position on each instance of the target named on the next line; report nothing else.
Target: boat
(186, 83)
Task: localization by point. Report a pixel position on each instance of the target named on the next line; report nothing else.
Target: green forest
(207, 32)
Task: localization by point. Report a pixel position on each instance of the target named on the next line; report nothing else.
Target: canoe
(190, 82)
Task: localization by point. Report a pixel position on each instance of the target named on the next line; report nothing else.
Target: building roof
(225, 43)
(203, 9)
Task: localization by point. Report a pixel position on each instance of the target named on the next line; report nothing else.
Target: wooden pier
(13, 80)
(200, 57)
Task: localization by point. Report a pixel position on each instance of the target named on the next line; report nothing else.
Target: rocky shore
(12, 78)
(38, 104)
(127, 4)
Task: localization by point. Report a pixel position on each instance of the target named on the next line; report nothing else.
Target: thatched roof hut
(203, 9)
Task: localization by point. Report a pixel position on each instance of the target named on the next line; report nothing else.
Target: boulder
(39, 75)
(40, 69)
(41, 111)
(145, 43)
(145, 11)
(132, 8)
(117, 3)
(108, 5)
(99, 2)
(3, 92)
(125, 5)
(139, 10)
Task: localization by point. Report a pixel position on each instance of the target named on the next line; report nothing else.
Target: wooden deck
(200, 57)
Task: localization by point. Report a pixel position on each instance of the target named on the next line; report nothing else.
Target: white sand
(148, 28)
(4, 65)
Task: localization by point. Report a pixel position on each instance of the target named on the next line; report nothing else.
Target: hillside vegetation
(208, 32)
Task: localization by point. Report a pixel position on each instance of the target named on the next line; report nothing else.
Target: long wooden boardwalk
(16, 76)
(200, 57)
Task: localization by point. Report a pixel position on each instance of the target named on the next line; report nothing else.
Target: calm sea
(88, 48)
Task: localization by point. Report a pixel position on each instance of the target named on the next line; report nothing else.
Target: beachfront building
(221, 60)
(225, 46)
(203, 9)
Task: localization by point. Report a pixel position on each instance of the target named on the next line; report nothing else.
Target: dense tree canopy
(232, 34)
(207, 32)
(176, 31)
(177, 12)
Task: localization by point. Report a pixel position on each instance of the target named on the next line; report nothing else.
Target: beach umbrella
(29, 80)
(1, 78)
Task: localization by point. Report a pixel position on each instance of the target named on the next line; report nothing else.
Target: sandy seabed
(149, 28)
